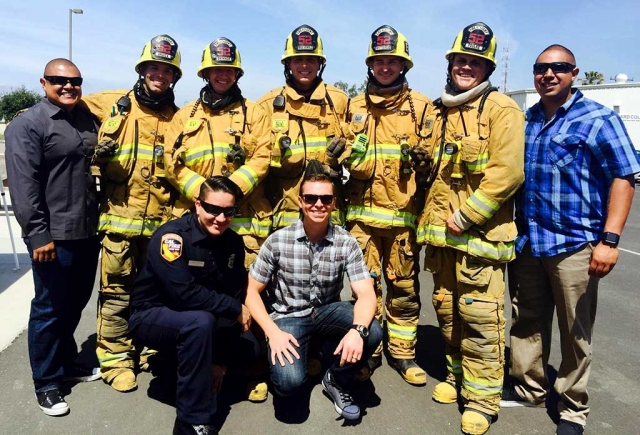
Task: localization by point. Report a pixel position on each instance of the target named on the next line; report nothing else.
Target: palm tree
(592, 78)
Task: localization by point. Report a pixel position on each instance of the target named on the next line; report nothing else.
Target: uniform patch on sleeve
(171, 247)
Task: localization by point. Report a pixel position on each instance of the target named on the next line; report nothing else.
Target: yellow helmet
(476, 39)
(221, 53)
(386, 41)
(303, 41)
(164, 49)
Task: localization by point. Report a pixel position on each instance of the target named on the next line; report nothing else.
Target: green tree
(592, 78)
(14, 101)
(351, 90)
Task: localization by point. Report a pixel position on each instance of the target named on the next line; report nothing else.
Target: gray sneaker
(342, 401)
(511, 399)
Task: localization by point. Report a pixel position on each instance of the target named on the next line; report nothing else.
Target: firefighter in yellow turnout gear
(307, 116)
(221, 133)
(386, 121)
(135, 197)
(477, 140)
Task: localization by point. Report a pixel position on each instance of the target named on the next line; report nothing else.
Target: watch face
(611, 239)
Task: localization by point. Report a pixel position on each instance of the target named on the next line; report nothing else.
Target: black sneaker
(183, 428)
(566, 427)
(342, 401)
(52, 403)
(79, 373)
(511, 399)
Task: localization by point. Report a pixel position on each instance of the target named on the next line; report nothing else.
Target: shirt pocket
(475, 155)
(565, 149)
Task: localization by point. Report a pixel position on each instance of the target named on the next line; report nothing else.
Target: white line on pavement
(630, 252)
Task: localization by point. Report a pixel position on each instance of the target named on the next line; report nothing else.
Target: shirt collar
(51, 109)
(300, 234)
(196, 229)
(538, 109)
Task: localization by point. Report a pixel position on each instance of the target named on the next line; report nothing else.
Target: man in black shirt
(188, 301)
(48, 151)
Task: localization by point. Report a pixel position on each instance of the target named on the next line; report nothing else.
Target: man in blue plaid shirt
(304, 264)
(571, 209)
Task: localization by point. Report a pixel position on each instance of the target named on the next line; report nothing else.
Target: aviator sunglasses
(312, 199)
(62, 81)
(556, 67)
(215, 210)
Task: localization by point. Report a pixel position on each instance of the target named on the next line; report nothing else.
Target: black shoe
(78, 373)
(52, 403)
(183, 428)
(566, 427)
(511, 399)
(410, 371)
(365, 372)
(342, 401)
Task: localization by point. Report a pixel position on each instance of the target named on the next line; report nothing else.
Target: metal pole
(70, 32)
(71, 12)
(6, 213)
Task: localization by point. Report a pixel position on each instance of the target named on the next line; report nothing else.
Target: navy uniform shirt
(187, 270)
(48, 153)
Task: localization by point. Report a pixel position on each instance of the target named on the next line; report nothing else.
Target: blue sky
(109, 36)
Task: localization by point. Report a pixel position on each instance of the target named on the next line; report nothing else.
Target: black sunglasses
(312, 199)
(215, 210)
(556, 67)
(62, 81)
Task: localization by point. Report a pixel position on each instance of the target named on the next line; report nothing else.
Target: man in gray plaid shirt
(305, 264)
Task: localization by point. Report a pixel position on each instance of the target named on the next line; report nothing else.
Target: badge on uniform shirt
(359, 117)
(171, 247)
(232, 258)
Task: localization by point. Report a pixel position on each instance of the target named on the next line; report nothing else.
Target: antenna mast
(505, 66)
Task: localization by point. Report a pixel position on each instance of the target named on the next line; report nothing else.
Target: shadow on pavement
(8, 276)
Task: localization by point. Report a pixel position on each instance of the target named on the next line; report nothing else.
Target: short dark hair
(315, 171)
(218, 183)
(559, 48)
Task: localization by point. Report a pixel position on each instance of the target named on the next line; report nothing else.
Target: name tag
(196, 263)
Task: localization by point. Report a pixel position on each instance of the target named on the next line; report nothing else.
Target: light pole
(71, 12)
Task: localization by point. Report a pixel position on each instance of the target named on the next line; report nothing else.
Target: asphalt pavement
(389, 404)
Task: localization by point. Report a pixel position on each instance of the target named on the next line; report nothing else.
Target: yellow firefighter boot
(475, 422)
(124, 381)
(409, 370)
(445, 392)
(257, 391)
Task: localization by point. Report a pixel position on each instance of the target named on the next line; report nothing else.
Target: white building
(621, 96)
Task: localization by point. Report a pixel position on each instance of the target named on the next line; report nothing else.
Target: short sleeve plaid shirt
(305, 275)
(570, 163)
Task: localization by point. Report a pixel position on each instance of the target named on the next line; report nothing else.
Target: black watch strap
(610, 239)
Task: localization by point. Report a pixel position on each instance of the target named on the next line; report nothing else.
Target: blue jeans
(330, 323)
(62, 289)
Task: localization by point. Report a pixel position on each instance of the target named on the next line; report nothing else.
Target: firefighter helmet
(386, 41)
(476, 39)
(303, 41)
(222, 52)
(164, 49)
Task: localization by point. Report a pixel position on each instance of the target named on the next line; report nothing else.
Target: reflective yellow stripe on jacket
(249, 226)
(127, 226)
(381, 216)
(439, 236)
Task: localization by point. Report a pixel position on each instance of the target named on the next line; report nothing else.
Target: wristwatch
(362, 330)
(610, 239)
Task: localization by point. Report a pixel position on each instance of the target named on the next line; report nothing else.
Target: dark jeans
(197, 339)
(329, 323)
(62, 289)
